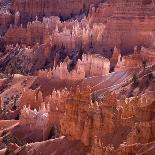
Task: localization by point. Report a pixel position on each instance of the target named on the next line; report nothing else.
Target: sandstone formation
(46, 8)
(77, 77)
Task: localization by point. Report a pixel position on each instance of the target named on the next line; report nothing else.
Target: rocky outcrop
(86, 103)
(56, 146)
(106, 26)
(35, 119)
(46, 8)
(90, 65)
(79, 106)
(125, 33)
(5, 18)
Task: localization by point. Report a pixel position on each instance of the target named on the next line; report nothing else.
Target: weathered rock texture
(42, 8)
(79, 72)
(128, 27)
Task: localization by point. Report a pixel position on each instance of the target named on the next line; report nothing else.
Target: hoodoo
(77, 77)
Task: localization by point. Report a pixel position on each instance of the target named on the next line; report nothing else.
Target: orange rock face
(5, 18)
(47, 8)
(77, 77)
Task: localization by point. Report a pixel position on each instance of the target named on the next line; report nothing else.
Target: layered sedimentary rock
(58, 87)
(111, 125)
(115, 30)
(58, 8)
(70, 34)
(86, 130)
(101, 13)
(141, 58)
(5, 17)
(105, 118)
(33, 34)
(128, 27)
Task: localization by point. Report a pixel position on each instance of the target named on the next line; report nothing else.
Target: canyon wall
(102, 118)
(125, 33)
(42, 8)
(105, 27)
